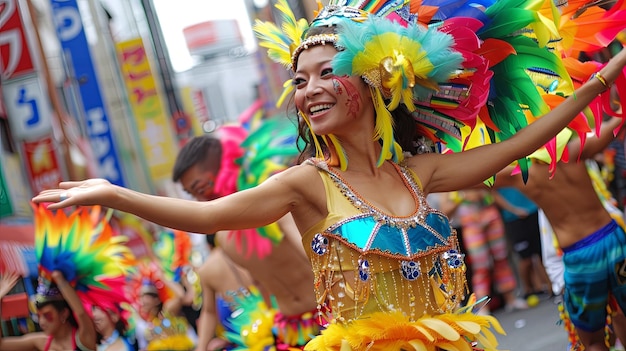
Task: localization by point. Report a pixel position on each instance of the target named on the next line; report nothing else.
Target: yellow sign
(153, 124)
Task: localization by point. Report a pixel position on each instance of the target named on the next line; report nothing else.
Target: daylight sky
(174, 15)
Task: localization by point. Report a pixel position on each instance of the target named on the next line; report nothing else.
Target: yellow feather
(487, 339)
(341, 153)
(441, 328)
(345, 346)
(461, 345)
(470, 327)
(448, 347)
(292, 28)
(384, 126)
(423, 330)
(495, 324)
(287, 89)
(318, 148)
(418, 345)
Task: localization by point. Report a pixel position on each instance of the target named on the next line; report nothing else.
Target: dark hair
(304, 133)
(404, 127)
(210, 240)
(60, 306)
(204, 150)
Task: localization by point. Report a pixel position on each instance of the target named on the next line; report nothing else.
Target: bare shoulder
(301, 178)
(211, 268)
(296, 173)
(308, 194)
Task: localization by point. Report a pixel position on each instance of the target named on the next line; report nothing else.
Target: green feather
(507, 22)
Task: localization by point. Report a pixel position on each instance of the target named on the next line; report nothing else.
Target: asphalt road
(535, 329)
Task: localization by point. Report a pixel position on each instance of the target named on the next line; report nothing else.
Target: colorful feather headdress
(148, 278)
(393, 58)
(173, 250)
(231, 137)
(86, 250)
(269, 149)
(451, 63)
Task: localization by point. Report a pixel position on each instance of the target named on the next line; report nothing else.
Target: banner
(6, 207)
(193, 100)
(79, 62)
(28, 108)
(15, 57)
(42, 164)
(153, 124)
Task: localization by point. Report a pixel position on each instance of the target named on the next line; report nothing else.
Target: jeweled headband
(47, 292)
(314, 40)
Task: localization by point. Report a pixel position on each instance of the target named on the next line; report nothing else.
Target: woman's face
(101, 320)
(199, 183)
(331, 103)
(147, 303)
(50, 319)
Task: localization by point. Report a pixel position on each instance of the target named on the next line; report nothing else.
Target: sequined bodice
(365, 260)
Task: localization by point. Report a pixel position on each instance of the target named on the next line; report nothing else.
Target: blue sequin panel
(388, 238)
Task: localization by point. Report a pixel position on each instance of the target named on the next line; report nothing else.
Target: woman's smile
(319, 110)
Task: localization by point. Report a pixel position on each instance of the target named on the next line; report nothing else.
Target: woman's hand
(58, 277)
(7, 282)
(86, 193)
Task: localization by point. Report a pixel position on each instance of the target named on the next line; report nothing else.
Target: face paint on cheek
(353, 102)
(46, 316)
(337, 86)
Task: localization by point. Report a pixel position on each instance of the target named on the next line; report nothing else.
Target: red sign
(200, 34)
(15, 57)
(43, 164)
(212, 37)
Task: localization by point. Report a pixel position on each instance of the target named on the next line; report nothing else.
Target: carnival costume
(590, 268)
(231, 138)
(76, 344)
(173, 250)
(402, 281)
(269, 149)
(84, 248)
(395, 283)
(162, 331)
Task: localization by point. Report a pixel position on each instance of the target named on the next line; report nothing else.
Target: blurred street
(535, 329)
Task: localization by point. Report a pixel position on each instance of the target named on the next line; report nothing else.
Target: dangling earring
(422, 146)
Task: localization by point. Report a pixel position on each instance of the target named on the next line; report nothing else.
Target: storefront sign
(28, 108)
(15, 57)
(78, 58)
(153, 124)
(6, 207)
(42, 164)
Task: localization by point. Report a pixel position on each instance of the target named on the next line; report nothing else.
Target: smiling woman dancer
(384, 260)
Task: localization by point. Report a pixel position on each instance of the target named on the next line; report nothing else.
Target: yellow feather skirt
(393, 331)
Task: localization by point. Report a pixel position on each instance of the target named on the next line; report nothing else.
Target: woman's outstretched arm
(251, 208)
(440, 173)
